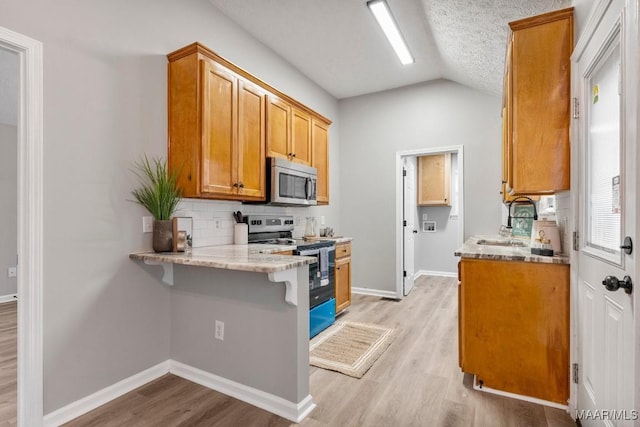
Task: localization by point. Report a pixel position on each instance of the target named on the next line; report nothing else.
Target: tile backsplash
(213, 221)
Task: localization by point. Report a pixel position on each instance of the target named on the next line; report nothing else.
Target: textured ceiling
(337, 43)
(8, 87)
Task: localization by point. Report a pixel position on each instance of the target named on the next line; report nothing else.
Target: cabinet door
(343, 283)
(434, 180)
(300, 137)
(218, 129)
(540, 89)
(251, 141)
(515, 326)
(278, 127)
(320, 159)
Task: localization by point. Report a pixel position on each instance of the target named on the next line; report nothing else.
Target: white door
(408, 215)
(604, 75)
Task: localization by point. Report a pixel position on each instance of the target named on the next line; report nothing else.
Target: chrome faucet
(535, 211)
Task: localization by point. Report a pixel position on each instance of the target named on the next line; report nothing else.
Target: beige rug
(350, 348)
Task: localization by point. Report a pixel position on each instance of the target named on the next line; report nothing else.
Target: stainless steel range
(278, 229)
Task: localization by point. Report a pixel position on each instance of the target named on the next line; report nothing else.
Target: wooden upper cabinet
(289, 132)
(251, 140)
(301, 137)
(278, 128)
(219, 168)
(537, 85)
(216, 130)
(224, 122)
(320, 158)
(434, 180)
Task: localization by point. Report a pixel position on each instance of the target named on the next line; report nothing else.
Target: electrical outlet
(12, 272)
(425, 217)
(217, 223)
(219, 333)
(147, 224)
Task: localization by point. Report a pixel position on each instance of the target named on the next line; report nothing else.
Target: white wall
(105, 77)
(374, 127)
(8, 206)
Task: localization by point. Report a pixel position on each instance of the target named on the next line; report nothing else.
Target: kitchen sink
(515, 243)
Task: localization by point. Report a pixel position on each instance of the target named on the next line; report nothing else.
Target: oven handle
(314, 252)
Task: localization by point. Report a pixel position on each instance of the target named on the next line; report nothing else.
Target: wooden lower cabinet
(514, 326)
(343, 276)
(283, 253)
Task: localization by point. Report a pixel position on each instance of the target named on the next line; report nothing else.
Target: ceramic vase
(162, 235)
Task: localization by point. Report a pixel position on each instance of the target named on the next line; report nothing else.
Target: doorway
(30, 220)
(429, 228)
(8, 228)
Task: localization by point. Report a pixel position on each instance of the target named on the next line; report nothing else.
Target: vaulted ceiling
(338, 45)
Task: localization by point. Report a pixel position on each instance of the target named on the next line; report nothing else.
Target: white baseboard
(295, 412)
(8, 298)
(107, 394)
(435, 273)
(374, 292)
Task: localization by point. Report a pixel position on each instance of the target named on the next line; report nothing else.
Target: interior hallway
(8, 363)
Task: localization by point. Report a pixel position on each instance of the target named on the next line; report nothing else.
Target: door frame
(459, 150)
(597, 13)
(30, 225)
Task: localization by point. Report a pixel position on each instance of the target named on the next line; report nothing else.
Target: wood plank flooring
(8, 363)
(416, 382)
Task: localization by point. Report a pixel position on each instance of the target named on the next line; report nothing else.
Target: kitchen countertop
(337, 239)
(471, 249)
(253, 257)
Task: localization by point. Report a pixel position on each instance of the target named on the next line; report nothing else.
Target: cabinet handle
(290, 154)
(235, 184)
(293, 154)
(241, 185)
(337, 268)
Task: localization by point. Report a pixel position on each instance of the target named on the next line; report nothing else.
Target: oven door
(292, 187)
(319, 293)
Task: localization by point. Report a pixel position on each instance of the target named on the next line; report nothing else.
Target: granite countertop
(252, 257)
(471, 249)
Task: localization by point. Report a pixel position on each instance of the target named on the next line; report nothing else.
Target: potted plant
(160, 195)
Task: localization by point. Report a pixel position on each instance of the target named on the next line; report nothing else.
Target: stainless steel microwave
(290, 183)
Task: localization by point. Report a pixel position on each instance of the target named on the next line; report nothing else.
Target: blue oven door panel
(321, 317)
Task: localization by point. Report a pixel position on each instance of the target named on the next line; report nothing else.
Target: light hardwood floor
(416, 382)
(8, 363)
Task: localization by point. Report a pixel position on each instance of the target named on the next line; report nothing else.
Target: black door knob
(612, 283)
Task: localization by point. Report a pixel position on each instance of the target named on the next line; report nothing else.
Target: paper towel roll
(241, 234)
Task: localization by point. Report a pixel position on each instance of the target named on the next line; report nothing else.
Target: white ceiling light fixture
(382, 13)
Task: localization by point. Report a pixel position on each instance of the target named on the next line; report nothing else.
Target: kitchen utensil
(238, 216)
(241, 234)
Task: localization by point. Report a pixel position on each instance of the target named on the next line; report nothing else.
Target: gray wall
(374, 127)
(266, 340)
(106, 318)
(434, 251)
(8, 206)
(581, 13)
